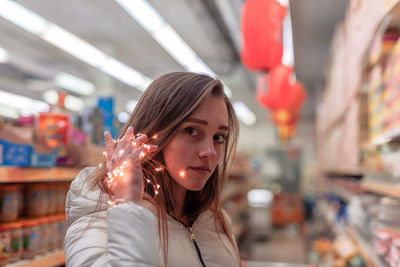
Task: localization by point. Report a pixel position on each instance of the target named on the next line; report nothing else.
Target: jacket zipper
(190, 231)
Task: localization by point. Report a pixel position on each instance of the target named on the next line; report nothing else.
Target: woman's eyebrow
(222, 127)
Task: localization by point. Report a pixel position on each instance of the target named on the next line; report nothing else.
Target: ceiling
(209, 27)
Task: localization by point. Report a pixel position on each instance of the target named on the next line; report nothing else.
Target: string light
(100, 165)
(182, 173)
(118, 171)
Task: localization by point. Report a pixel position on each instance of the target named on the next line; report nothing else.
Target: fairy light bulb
(155, 136)
(121, 152)
(104, 153)
(182, 173)
(158, 169)
(125, 162)
(100, 165)
(158, 186)
(142, 154)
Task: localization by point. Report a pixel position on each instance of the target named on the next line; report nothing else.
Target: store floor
(285, 244)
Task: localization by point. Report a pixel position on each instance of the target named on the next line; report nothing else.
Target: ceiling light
(74, 84)
(22, 17)
(66, 41)
(22, 102)
(125, 74)
(143, 13)
(73, 103)
(123, 117)
(166, 36)
(74, 45)
(51, 97)
(287, 40)
(8, 112)
(3, 55)
(130, 105)
(244, 113)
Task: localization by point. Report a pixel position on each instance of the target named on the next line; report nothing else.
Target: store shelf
(55, 258)
(386, 136)
(342, 192)
(19, 174)
(365, 249)
(381, 188)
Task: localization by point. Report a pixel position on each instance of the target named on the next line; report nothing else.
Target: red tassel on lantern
(261, 26)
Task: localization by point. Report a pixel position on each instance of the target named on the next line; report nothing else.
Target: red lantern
(295, 98)
(261, 26)
(272, 88)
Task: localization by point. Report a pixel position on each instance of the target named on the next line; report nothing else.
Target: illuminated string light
(118, 171)
(100, 165)
(182, 173)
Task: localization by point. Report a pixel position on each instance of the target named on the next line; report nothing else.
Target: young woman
(155, 200)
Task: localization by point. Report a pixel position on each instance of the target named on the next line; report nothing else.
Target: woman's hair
(164, 106)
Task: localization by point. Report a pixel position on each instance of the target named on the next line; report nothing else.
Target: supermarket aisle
(284, 245)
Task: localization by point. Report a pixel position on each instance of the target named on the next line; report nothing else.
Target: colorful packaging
(9, 204)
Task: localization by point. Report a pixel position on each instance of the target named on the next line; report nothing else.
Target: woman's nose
(207, 149)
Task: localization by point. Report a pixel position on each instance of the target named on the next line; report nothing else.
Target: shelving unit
(381, 188)
(32, 175)
(365, 249)
(55, 258)
(23, 175)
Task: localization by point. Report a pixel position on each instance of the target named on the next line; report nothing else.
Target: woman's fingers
(134, 144)
(141, 152)
(125, 139)
(109, 149)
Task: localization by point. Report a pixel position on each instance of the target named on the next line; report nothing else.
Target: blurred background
(315, 84)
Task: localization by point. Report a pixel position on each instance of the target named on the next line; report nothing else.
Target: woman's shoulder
(82, 198)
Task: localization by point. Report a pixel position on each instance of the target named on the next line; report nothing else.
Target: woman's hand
(123, 164)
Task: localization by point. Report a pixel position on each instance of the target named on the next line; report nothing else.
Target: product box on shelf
(44, 160)
(13, 154)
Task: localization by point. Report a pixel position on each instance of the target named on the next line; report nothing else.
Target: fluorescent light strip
(22, 103)
(57, 36)
(3, 55)
(166, 36)
(74, 84)
(244, 113)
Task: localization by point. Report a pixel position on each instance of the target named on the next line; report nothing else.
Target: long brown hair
(163, 107)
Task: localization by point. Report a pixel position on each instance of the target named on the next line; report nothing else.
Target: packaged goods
(37, 198)
(43, 234)
(8, 203)
(30, 238)
(4, 245)
(15, 240)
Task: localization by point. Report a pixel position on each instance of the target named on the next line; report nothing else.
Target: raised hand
(125, 174)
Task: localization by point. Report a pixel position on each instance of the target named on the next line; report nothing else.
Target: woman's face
(194, 152)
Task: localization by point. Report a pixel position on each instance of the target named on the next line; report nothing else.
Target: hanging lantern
(295, 98)
(272, 88)
(261, 27)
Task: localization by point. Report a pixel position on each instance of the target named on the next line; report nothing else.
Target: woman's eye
(220, 138)
(191, 131)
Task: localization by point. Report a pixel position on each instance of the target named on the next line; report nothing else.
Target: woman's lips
(200, 169)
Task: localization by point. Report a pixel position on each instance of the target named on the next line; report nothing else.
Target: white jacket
(127, 234)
